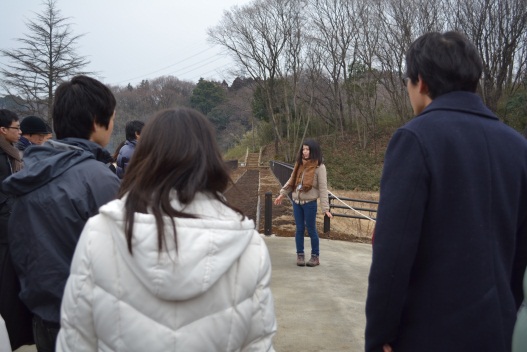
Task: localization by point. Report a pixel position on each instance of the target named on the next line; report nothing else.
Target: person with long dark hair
(170, 264)
(308, 182)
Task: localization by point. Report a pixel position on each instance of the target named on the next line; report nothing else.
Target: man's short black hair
(445, 62)
(78, 104)
(7, 117)
(132, 127)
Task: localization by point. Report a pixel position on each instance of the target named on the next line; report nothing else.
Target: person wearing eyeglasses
(450, 244)
(16, 316)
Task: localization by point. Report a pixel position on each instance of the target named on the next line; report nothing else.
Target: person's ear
(95, 128)
(423, 87)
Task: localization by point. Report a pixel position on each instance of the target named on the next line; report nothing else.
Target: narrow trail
(244, 194)
(252, 182)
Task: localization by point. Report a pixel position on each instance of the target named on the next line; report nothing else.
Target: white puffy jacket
(212, 295)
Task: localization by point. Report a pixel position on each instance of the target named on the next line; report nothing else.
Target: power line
(164, 68)
(197, 63)
(216, 70)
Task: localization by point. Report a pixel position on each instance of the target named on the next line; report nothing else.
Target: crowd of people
(142, 252)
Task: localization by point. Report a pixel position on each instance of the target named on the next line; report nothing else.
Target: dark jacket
(451, 235)
(13, 311)
(125, 154)
(5, 208)
(60, 187)
(23, 143)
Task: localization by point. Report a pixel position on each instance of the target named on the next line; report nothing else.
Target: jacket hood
(43, 163)
(206, 247)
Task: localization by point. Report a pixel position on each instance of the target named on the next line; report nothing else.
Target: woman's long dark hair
(177, 150)
(117, 150)
(315, 153)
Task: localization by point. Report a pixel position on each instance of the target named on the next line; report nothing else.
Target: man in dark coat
(63, 183)
(451, 235)
(16, 315)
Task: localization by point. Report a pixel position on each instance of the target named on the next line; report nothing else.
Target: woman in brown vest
(308, 182)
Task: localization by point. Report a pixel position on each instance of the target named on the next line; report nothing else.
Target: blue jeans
(306, 217)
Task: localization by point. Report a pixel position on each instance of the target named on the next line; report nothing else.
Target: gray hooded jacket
(60, 187)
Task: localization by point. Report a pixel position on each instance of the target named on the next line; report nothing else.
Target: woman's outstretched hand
(278, 200)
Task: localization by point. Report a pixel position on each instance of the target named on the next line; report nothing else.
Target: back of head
(133, 127)
(7, 117)
(445, 62)
(177, 151)
(78, 104)
(34, 125)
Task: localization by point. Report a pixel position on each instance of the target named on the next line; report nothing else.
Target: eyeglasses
(15, 128)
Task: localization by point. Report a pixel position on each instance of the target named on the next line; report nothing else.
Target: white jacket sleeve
(5, 345)
(263, 324)
(77, 332)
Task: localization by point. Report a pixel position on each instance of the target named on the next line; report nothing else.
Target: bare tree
(363, 80)
(297, 121)
(47, 56)
(137, 103)
(498, 29)
(255, 36)
(336, 65)
(334, 23)
(398, 28)
(169, 92)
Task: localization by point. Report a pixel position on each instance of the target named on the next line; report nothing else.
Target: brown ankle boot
(300, 259)
(314, 261)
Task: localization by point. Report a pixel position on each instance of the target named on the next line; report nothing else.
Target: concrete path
(318, 309)
(321, 308)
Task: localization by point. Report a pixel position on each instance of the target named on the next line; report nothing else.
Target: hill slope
(350, 167)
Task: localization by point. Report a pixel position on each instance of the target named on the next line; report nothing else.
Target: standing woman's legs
(298, 213)
(310, 217)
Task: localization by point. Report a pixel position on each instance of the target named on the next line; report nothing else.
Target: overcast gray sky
(130, 40)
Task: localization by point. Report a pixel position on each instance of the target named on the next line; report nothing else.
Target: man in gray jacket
(62, 185)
